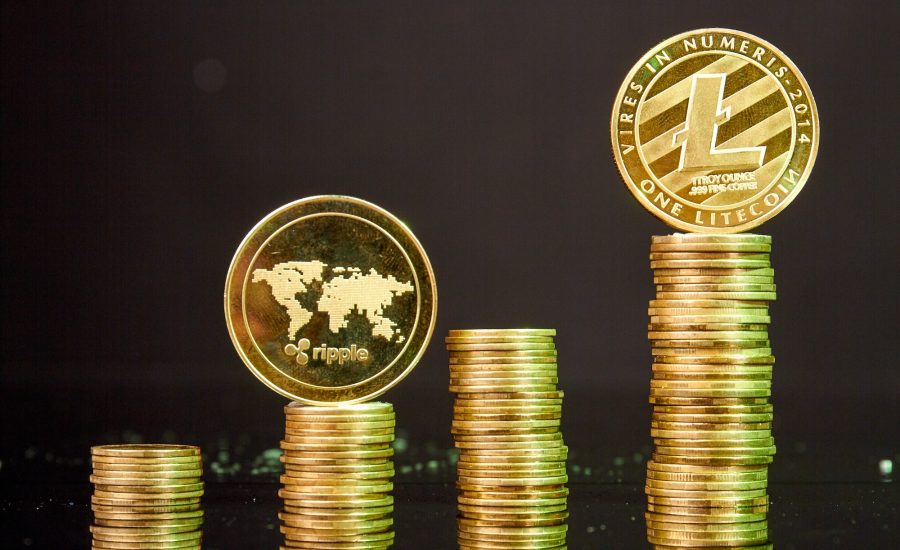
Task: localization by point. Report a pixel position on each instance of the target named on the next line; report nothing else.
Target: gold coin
(711, 327)
(710, 167)
(708, 320)
(712, 345)
(370, 513)
(713, 280)
(504, 396)
(750, 372)
(735, 502)
(307, 489)
(372, 468)
(463, 333)
(355, 453)
(691, 352)
(713, 461)
(349, 411)
(486, 482)
(743, 358)
(689, 539)
(540, 468)
(707, 312)
(694, 246)
(716, 295)
(364, 501)
(706, 486)
(356, 262)
(721, 263)
(514, 347)
(707, 376)
(717, 288)
(712, 384)
(102, 471)
(127, 535)
(722, 238)
(147, 529)
(537, 462)
(500, 439)
(190, 523)
(656, 393)
(311, 535)
(145, 451)
(498, 502)
(168, 488)
(325, 446)
(517, 409)
(507, 388)
(146, 509)
(190, 462)
(710, 481)
(512, 356)
(163, 467)
(700, 522)
(95, 499)
(510, 511)
(711, 514)
(96, 543)
(99, 477)
(503, 367)
(711, 421)
(476, 375)
(513, 361)
(745, 472)
(704, 494)
(709, 255)
(476, 526)
(148, 516)
(715, 409)
(702, 402)
(715, 452)
(476, 340)
(710, 426)
(300, 476)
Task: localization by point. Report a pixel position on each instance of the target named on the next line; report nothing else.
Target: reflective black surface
(244, 516)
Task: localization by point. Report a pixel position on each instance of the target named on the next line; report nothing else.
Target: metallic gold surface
(712, 376)
(337, 481)
(330, 300)
(714, 130)
(146, 496)
(511, 471)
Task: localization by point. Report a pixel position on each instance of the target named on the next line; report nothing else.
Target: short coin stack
(146, 496)
(506, 424)
(712, 373)
(338, 468)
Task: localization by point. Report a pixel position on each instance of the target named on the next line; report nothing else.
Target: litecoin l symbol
(697, 136)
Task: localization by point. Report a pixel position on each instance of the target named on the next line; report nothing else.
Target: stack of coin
(712, 373)
(146, 496)
(338, 468)
(506, 425)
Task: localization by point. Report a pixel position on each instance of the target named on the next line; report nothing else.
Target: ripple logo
(325, 353)
(292, 350)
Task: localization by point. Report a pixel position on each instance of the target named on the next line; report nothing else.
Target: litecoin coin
(330, 300)
(715, 131)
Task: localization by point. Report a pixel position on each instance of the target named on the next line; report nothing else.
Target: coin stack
(146, 496)
(338, 468)
(506, 424)
(712, 373)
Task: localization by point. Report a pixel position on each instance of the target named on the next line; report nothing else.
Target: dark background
(142, 140)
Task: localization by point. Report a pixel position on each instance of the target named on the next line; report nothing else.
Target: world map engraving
(346, 289)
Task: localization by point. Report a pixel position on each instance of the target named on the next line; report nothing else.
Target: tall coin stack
(338, 468)
(712, 373)
(506, 424)
(146, 496)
